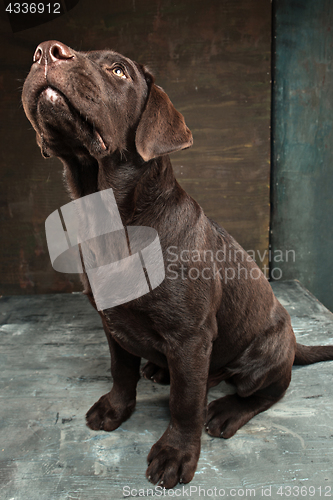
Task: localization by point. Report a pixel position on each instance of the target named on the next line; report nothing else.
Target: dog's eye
(118, 72)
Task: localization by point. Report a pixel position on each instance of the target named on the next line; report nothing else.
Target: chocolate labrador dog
(111, 126)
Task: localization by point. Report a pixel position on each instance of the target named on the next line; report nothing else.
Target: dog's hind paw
(107, 416)
(228, 414)
(150, 371)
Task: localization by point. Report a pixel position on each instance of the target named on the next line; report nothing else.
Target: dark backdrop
(213, 59)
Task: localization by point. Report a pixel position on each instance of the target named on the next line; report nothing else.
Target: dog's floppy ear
(162, 129)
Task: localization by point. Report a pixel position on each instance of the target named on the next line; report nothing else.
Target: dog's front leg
(174, 457)
(112, 409)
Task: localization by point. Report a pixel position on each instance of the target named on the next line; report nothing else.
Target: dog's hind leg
(228, 414)
(261, 375)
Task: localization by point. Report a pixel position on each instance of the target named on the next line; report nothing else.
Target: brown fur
(115, 131)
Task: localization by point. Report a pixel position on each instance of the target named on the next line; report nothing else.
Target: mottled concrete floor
(54, 365)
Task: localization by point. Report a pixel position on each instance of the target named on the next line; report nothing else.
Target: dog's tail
(306, 354)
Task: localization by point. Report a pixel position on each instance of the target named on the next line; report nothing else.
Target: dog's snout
(51, 52)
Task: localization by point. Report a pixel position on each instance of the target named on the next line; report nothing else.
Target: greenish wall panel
(302, 131)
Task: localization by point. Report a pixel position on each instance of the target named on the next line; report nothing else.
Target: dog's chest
(134, 332)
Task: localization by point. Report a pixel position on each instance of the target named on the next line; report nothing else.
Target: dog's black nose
(52, 51)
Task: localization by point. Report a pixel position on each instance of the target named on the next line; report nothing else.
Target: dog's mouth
(60, 121)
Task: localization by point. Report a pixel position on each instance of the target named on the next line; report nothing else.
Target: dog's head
(98, 103)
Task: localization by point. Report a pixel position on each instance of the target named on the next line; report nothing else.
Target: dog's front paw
(107, 415)
(171, 463)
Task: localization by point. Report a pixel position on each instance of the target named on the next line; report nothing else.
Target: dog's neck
(142, 189)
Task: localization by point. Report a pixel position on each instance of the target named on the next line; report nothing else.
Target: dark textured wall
(213, 59)
(302, 210)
